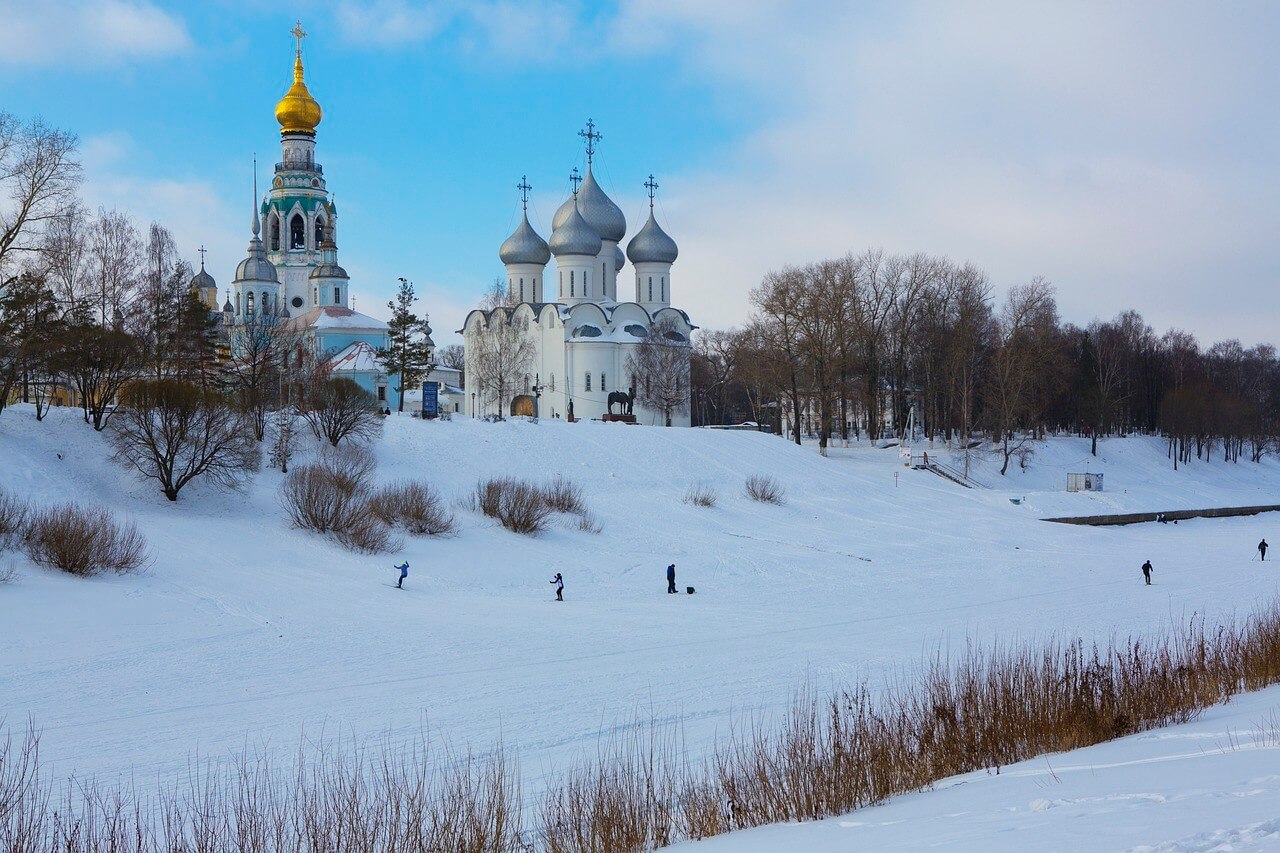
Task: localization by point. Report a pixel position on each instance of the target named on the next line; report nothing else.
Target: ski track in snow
(245, 632)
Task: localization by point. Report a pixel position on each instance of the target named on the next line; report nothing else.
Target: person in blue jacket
(671, 578)
(404, 573)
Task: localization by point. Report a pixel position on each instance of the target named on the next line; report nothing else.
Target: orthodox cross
(299, 33)
(575, 179)
(652, 186)
(524, 188)
(201, 250)
(592, 138)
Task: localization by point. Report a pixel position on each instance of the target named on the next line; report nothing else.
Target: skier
(559, 582)
(404, 573)
(1146, 571)
(1262, 549)
(671, 578)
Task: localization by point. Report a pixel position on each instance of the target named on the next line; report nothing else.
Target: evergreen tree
(410, 356)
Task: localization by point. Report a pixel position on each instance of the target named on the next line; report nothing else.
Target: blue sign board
(430, 399)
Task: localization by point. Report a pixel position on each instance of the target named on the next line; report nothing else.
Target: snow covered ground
(1209, 785)
(244, 631)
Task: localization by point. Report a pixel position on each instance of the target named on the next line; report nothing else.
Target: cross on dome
(652, 186)
(201, 250)
(575, 179)
(592, 138)
(299, 33)
(524, 188)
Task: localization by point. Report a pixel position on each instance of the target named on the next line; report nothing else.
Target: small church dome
(524, 246)
(297, 111)
(618, 258)
(652, 245)
(575, 237)
(328, 271)
(202, 280)
(597, 208)
(256, 267)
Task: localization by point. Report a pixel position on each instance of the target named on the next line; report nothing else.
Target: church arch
(273, 231)
(266, 306)
(319, 230)
(522, 406)
(297, 232)
(248, 306)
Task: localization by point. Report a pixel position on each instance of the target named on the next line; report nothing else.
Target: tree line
(878, 345)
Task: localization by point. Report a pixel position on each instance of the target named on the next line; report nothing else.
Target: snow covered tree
(660, 365)
(283, 431)
(409, 358)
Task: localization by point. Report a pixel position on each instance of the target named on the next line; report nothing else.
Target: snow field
(244, 631)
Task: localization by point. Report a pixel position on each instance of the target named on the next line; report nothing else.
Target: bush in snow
(13, 520)
(700, 494)
(338, 409)
(765, 489)
(517, 506)
(84, 541)
(329, 500)
(415, 507)
(8, 573)
(564, 495)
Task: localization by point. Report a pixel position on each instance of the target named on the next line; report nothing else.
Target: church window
(553, 382)
(296, 302)
(274, 230)
(266, 308)
(602, 382)
(315, 295)
(587, 387)
(382, 394)
(664, 289)
(526, 383)
(297, 232)
(319, 230)
(249, 304)
(337, 296)
(237, 304)
(522, 290)
(650, 288)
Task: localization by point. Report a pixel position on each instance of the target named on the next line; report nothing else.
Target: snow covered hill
(244, 631)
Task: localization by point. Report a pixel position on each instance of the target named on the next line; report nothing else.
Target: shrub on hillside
(700, 494)
(765, 489)
(327, 499)
(564, 495)
(517, 506)
(83, 541)
(414, 507)
(13, 520)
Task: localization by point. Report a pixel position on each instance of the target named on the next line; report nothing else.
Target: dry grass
(825, 756)
(83, 541)
(564, 495)
(765, 489)
(701, 494)
(414, 507)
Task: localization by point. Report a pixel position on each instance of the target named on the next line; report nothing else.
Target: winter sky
(1126, 151)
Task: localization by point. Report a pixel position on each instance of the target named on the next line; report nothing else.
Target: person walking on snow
(559, 582)
(404, 573)
(1146, 571)
(1262, 549)
(671, 578)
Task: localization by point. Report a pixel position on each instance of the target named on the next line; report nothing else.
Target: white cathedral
(580, 336)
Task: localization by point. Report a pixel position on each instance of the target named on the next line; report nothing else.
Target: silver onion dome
(524, 246)
(256, 267)
(597, 208)
(574, 236)
(618, 258)
(202, 280)
(328, 271)
(652, 245)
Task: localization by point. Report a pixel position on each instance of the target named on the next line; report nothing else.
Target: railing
(947, 472)
(292, 166)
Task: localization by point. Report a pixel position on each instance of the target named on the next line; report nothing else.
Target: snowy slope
(245, 631)
(1209, 785)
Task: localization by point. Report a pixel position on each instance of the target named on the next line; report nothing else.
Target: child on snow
(559, 584)
(404, 573)
(1146, 571)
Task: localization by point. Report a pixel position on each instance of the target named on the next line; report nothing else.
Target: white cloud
(1111, 148)
(393, 22)
(87, 32)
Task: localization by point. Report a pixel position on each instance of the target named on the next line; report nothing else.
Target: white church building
(581, 334)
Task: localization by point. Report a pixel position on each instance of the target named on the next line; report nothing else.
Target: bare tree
(257, 368)
(500, 354)
(99, 362)
(173, 431)
(454, 356)
(39, 174)
(115, 259)
(778, 299)
(660, 364)
(66, 255)
(339, 409)
(283, 430)
(1028, 316)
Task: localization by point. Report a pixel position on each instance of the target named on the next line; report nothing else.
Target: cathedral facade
(290, 277)
(579, 335)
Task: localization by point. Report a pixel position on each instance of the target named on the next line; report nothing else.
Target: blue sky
(1126, 152)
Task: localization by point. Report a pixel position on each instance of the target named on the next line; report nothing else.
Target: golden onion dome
(297, 111)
